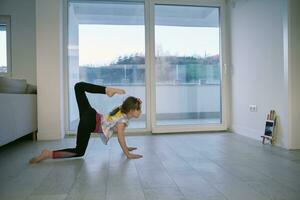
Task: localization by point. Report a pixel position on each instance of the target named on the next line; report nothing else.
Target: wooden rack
(270, 128)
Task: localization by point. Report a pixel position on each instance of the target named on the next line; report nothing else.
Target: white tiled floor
(211, 166)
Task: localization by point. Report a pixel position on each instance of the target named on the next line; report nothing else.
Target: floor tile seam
(75, 180)
(208, 182)
(166, 173)
(41, 181)
(240, 178)
(110, 148)
(284, 184)
(269, 176)
(77, 176)
(248, 182)
(177, 186)
(224, 168)
(140, 180)
(256, 190)
(108, 176)
(188, 143)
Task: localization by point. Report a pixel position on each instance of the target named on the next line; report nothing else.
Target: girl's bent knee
(78, 85)
(80, 154)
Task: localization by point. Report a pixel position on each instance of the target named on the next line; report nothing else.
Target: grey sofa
(18, 109)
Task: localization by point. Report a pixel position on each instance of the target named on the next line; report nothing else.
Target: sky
(3, 61)
(103, 44)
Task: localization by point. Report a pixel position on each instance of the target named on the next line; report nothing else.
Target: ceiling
(133, 14)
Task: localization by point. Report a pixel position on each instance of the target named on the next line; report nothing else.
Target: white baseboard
(248, 132)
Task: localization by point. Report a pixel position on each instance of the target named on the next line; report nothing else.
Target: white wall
(22, 37)
(49, 46)
(294, 71)
(265, 67)
(258, 67)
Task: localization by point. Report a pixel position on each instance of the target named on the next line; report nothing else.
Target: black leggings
(87, 120)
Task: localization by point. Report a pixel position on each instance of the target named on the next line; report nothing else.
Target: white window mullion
(148, 63)
(152, 64)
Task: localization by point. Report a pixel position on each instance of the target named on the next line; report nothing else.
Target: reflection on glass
(187, 65)
(107, 47)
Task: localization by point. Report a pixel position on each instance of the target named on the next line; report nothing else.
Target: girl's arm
(122, 142)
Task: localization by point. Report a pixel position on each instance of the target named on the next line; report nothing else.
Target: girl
(91, 121)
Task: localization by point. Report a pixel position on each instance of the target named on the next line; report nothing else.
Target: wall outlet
(253, 108)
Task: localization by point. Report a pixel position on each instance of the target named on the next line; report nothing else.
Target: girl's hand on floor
(131, 148)
(134, 156)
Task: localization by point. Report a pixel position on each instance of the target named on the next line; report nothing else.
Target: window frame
(6, 19)
(150, 58)
(223, 126)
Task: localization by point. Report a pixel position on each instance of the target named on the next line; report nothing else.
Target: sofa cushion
(10, 85)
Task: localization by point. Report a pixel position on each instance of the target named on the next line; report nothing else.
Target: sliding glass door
(187, 66)
(168, 53)
(107, 47)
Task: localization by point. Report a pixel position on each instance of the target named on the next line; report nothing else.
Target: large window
(168, 53)
(107, 47)
(5, 60)
(187, 65)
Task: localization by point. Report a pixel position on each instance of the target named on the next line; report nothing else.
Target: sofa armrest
(18, 116)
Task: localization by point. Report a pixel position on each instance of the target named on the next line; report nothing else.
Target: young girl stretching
(91, 121)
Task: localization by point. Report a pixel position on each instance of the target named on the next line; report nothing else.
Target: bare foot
(44, 155)
(112, 91)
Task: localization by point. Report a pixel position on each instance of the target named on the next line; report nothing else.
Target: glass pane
(187, 65)
(107, 47)
(3, 48)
